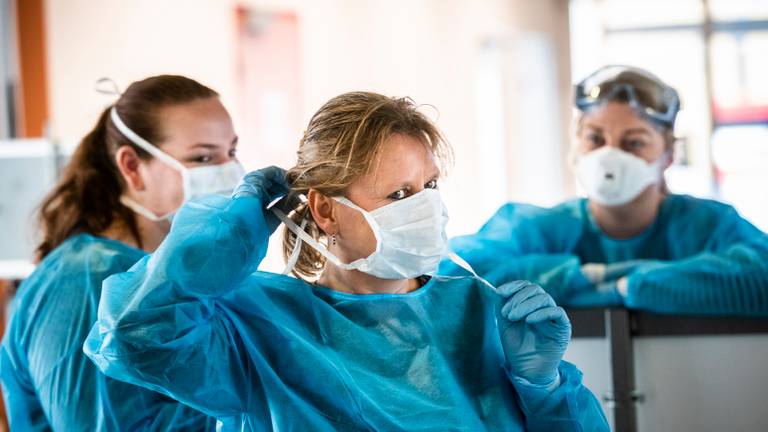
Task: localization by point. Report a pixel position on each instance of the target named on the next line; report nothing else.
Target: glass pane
(632, 13)
(739, 68)
(730, 10)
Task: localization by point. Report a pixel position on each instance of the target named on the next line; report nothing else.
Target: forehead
(198, 120)
(615, 115)
(401, 159)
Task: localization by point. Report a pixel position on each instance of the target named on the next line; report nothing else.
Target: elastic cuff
(549, 387)
(546, 387)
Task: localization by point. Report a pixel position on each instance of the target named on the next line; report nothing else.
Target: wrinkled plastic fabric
(262, 351)
(698, 257)
(48, 383)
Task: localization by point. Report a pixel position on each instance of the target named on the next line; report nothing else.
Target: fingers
(552, 321)
(274, 174)
(267, 183)
(509, 289)
(554, 314)
(278, 185)
(517, 309)
(523, 294)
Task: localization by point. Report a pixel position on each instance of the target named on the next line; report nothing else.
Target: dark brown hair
(341, 143)
(87, 197)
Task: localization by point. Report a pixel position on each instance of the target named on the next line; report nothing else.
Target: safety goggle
(608, 82)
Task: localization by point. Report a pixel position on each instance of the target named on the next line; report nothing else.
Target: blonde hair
(341, 143)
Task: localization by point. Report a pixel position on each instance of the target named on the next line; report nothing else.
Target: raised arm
(162, 326)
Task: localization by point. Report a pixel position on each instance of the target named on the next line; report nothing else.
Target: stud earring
(333, 239)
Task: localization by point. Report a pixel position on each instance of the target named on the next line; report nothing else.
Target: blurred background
(496, 75)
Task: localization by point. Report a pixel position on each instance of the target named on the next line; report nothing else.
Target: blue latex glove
(266, 184)
(534, 332)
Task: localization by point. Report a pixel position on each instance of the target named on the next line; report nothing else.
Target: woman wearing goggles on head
(630, 242)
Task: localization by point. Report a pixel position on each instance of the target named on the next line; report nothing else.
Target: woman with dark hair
(166, 139)
(630, 242)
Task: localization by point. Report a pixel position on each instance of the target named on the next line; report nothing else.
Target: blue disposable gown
(262, 351)
(48, 383)
(698, 257)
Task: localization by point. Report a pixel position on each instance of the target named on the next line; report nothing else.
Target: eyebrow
(626, 132)
(591, 126)
(636, 131)
(435, 176)
(209, 146)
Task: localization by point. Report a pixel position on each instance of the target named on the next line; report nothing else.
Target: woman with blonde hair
(368, 337)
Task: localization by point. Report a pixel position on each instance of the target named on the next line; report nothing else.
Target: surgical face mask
(410, 237)
(196, 182)
(613, 177)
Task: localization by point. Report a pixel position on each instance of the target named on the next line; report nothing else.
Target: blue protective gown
(262, 351)
(48, 383)
(698, 257)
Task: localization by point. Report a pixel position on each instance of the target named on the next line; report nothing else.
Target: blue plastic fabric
(48, 383)
(261, 351)
(698, 257)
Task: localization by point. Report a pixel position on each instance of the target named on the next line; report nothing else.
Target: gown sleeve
(730, 277)
(524, 242)
(569, 407)
(160, 324)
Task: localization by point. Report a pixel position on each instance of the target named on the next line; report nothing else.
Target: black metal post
(618, 330)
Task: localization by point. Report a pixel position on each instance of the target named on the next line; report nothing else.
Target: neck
(151, 234)
(356, 282)
(629, 220)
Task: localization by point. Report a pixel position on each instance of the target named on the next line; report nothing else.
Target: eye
(233, 153)
(595, 140)
(398, 195)
(432, 184)
(634, 144)
(202, 159)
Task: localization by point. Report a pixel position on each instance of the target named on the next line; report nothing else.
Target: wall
(425, 49)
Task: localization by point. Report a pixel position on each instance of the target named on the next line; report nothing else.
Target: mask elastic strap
(144, 144)
(141, 210)
(149, 148)
(294, 257)
(656, 167)
(107, 86)
(319, 247)
(368, 218)
(465, 265)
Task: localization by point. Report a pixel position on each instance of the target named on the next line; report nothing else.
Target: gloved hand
(266, 184)
(598, 273)
(534, 332)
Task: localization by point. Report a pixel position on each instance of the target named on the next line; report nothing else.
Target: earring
(333, 239)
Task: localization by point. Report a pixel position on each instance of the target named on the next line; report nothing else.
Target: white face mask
(613, 177)
(410, 237)
(196, 182)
